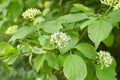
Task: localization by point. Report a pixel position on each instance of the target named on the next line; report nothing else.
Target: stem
(83, 34)
(38, 32)
(107, 10)
(60, 2)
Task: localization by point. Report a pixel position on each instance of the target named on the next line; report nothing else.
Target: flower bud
(104, 59)
(31, 13)
(60, 39)
(109, 2)
(11, 30)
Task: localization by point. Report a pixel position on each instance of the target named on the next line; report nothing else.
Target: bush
(59, 40)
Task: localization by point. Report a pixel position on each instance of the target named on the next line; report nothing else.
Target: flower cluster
(60, 39)
(109, 2)
(117, 6)
(11, 30)
(105, 59)
(31, 13)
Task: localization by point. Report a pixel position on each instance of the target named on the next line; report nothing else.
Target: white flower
(31, 13)
(11, 30)
(60, 39)
(109, 2)
(105, 59)
(116, 6)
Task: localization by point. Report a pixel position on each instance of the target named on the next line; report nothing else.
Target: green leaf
(87, 22)
(37, 50)
(72, 18)
(74, 39)
(6, 49)
(109, 40)
(91, 70)
(106, 73)
(52, 77)
(98, 31)
(45, 42)
(22, 32)
(81, 7)
(38, 62)
(52, 26)
(52, 61)
(4, 4)
(15, 9)
(74, 68)
(114, 15)
(10, 60)
(87, 50)
(24, 48)
(1, 23)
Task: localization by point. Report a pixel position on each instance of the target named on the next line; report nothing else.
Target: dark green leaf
(109, 40)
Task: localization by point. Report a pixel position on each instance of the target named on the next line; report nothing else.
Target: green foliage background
(20, 62)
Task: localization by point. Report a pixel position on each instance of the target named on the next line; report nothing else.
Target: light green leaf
(87, 22)
(10, 60)
(87, 50)
(98, 31)
(22, 32)
(37, 50)
(52, 26)
(114, 15)
(24, 48)
(38, 62)
(109, 40)
(74, 68)
(6, 49)
(106, 73)
(4, 4)
(45, 42)
(1, 23)
(74, 39)
(81, 7)
(72, 18)
(52, 61)
(15, 8)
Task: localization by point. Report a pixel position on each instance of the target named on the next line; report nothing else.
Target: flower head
(11, 30)
(31, 13)
(60, 39)
(105, 59)
(116, 6)
(109, 2)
